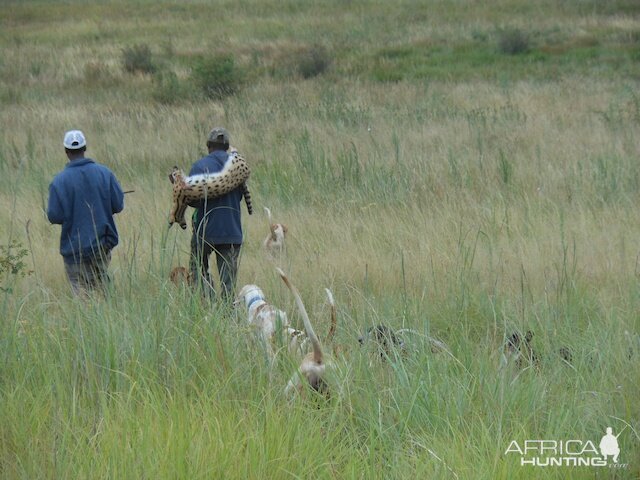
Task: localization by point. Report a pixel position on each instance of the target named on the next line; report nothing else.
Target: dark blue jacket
(217, 220)
(83, 198)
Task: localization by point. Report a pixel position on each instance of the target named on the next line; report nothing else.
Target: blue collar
(78, 162)
(253, 300)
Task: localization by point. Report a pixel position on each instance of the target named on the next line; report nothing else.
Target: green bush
(168, 89)
(513, 41)
(217, 77)
(313, 61)
(138, 59)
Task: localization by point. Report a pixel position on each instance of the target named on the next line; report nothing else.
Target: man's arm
(117, 196)
(55, 211)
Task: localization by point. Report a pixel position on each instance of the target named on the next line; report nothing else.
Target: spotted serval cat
(234, 174)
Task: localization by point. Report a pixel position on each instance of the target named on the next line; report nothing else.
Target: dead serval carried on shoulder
(234, 174)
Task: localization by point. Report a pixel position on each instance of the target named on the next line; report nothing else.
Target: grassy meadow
(459, 169)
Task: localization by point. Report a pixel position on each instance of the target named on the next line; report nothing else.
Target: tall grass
(433, 182)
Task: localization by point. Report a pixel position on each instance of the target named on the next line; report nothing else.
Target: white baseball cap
(74, 140)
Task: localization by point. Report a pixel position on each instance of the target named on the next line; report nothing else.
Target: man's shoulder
(58, 176)
(62, 175)
(95, 164)
(200, 162)
(89, 166)
(99, 167)
(207, 164)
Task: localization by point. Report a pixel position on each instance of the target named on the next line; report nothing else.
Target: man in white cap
(83, 199)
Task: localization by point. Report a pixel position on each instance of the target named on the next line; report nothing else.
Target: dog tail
(334, 318)
(317, 348)
(268, 212)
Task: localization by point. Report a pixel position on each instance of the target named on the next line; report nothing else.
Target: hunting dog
(521, 351)
(313, 367)
(267, 319)
(180, 276)
(384, 339)
(274, 242)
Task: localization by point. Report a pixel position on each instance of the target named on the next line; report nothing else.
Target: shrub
(168, 89)
(217, 77)
(12, 262)
(513, 41)
(138, 59)
(313, 61)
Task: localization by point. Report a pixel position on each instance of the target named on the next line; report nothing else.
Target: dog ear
(284, 228)
(528, 336)
(514, 339)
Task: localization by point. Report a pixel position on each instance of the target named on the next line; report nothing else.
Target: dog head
(297, 340)
(521, 349)
(180, 276)
(248, 295)
(515, 342)
(278, 231)
(566, 354)
(384, 338)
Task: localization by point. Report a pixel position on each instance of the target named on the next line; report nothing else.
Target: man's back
(83, 198)
(217, 220)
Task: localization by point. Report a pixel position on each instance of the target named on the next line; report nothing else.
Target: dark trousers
(89, 274)
(227, 255)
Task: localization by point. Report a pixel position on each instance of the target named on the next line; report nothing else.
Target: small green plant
(505, 168)
(513, 41)
(138, 59)
(217, 77)
(12, 263)
(36, 69)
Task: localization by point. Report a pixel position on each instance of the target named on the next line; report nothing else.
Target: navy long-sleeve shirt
(83, 199)
(217, 220)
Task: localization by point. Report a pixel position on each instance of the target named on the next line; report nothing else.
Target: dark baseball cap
(219, 135)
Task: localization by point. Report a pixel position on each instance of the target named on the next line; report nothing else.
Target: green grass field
(460, 169)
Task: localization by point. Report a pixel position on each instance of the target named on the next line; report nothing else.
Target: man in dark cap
(216, 224)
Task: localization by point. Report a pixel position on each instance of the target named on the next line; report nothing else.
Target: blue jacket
(217, 220)
(83, 198)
